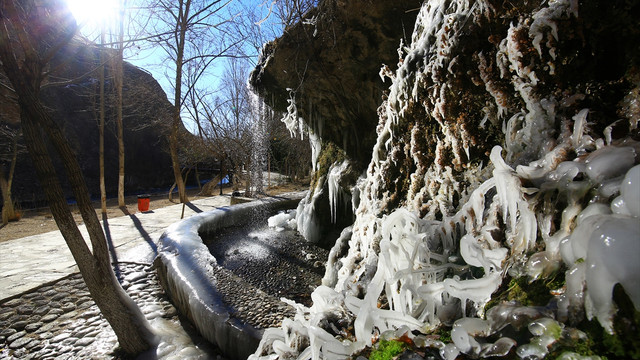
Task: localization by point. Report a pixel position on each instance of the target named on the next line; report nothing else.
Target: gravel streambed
(280, 263)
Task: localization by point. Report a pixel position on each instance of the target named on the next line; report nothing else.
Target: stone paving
(60, 321)
(34, 260)
(46, 311)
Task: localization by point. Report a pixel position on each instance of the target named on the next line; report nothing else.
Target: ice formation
(464, 227)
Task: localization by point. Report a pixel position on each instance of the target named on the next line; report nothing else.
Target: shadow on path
(125, 210)
(145, 234)
(112, 249)
(193, 207)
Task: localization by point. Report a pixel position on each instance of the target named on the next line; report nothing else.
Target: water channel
(280, 263)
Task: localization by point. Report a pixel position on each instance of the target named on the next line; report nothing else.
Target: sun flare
(93, 13)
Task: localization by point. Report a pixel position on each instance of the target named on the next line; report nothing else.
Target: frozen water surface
(280, 263)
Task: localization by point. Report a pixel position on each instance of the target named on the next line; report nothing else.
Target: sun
(94, 13)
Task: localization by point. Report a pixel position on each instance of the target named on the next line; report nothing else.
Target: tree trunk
(103, 189)
(182, 26)
(25, 68)
(118, 81)
(8, 210)
(126, 319)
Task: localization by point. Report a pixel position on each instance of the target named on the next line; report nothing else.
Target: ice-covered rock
(500, 156)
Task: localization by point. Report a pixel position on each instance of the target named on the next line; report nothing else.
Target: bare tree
(26, 53)
(288, 12)
(189, 31)
(8, 154)
(118, 80)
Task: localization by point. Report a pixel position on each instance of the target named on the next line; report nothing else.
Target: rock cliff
(74, 105)
(324, 72)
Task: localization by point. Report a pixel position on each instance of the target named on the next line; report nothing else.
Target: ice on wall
(432, 246)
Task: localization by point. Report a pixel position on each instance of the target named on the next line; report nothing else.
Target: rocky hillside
(74, 105)
(499, 212)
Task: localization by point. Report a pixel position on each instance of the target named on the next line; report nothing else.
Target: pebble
(19, 325)
(19, 343)
(61, 320)
(25, 309)
(49, 318)
(16, 336)
(43, 309)
(33, 326)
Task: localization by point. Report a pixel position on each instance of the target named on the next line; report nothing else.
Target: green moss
(444, 334)
(329, 155)
(535, 293)
(387, 350)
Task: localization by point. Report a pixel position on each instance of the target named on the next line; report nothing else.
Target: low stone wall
(190, 274)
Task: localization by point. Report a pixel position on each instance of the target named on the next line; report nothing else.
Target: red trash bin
(143, 203)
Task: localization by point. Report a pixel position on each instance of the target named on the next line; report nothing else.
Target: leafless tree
(192, 34)
(27, 52)
(288, 12)
(10, 147)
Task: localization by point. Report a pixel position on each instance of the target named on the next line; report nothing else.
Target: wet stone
(14, 302)
(19, 325)
(60, 296)
(49, 318)
(55, 304)
(19, 343)
(40, 303)
(47, 327)
(25, 309)
(59, 338)
(30, 295)
(66, 307)
(51, 292)
(42, 310)
(69, 315)
(46, 335)
(16, 318)
(82, 331)
(85, 341)
(64, 286)
(55, 312)
(16, 336)
(85, 305)
(33, 345)
(33, 327)
(8, 332)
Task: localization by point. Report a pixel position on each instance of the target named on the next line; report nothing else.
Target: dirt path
(38, 221)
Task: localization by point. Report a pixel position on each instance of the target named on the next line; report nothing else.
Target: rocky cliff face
(74, 105)
(324, 73)
(500, 207)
